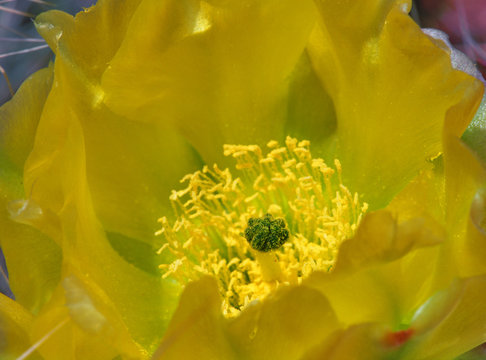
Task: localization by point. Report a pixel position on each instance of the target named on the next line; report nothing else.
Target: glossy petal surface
(123, 157)
(364, 342)
(391, 87)
(284, 325)
(381, 273)
(33, 259)
(15, 325)
(451, 322)
(218, 69)
(143, 92)
(197, 329)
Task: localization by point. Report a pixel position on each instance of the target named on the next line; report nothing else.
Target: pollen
(279, 217)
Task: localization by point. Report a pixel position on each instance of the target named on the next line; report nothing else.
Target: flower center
(282, 219)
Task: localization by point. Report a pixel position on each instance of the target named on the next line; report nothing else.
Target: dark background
(17, 33)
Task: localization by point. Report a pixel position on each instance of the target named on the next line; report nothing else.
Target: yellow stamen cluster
(213, 210)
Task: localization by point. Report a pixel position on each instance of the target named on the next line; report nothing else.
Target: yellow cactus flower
(328, 207)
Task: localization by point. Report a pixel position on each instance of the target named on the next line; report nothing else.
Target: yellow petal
(311, 113)
(33, 258)
(380, 238)
(217, 70)
(445, 192)
(15, 325)
(475, 239)
(89, 41)
(52, 25)
(464, 174)
(476, 132)
(385, 272)
(79, 320)
(19, 118)
(124, 157)
(283, 326)
(59, 171)
(364, 341)
(452, 322)
(391, 87)
(197, 330)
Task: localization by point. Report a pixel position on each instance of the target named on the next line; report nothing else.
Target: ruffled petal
(19, 118)
(283, 326)
(218, 70)
(475, 241)
(80, 322)
(59, 172)
(98, 138)
(33, 259)
(369, 341)
(464, 174)
(385, 272)
(452, 322)
(391, 87)
(90, 40)
(142, 161)
(445, 192)
(476, 132)
(15, 326)
(197, 330)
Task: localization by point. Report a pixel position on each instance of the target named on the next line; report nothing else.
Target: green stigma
(266, 233)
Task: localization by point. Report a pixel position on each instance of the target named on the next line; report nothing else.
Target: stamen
(281, 219)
